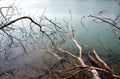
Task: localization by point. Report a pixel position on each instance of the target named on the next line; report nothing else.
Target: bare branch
(106, 21)
(79, 47)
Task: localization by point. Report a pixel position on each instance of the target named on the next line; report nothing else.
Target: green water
(99, 36)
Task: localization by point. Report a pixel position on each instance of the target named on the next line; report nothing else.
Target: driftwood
(101, 64)
(78, 66)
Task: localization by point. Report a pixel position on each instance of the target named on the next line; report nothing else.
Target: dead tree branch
(112, 22)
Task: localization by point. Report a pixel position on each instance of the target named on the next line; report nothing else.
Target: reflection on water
(94, 35)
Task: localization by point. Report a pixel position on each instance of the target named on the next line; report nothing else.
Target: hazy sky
(62, 7)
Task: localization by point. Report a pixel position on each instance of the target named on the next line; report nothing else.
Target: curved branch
(29, 18)
(102, 19)
(24, 17)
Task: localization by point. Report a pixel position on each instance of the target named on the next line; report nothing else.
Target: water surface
(94, 35)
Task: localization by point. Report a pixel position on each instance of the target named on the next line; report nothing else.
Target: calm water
(92, 35)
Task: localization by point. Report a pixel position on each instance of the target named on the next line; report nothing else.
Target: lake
(98, 36)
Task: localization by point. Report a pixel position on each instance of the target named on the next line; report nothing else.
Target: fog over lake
(92, 35)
